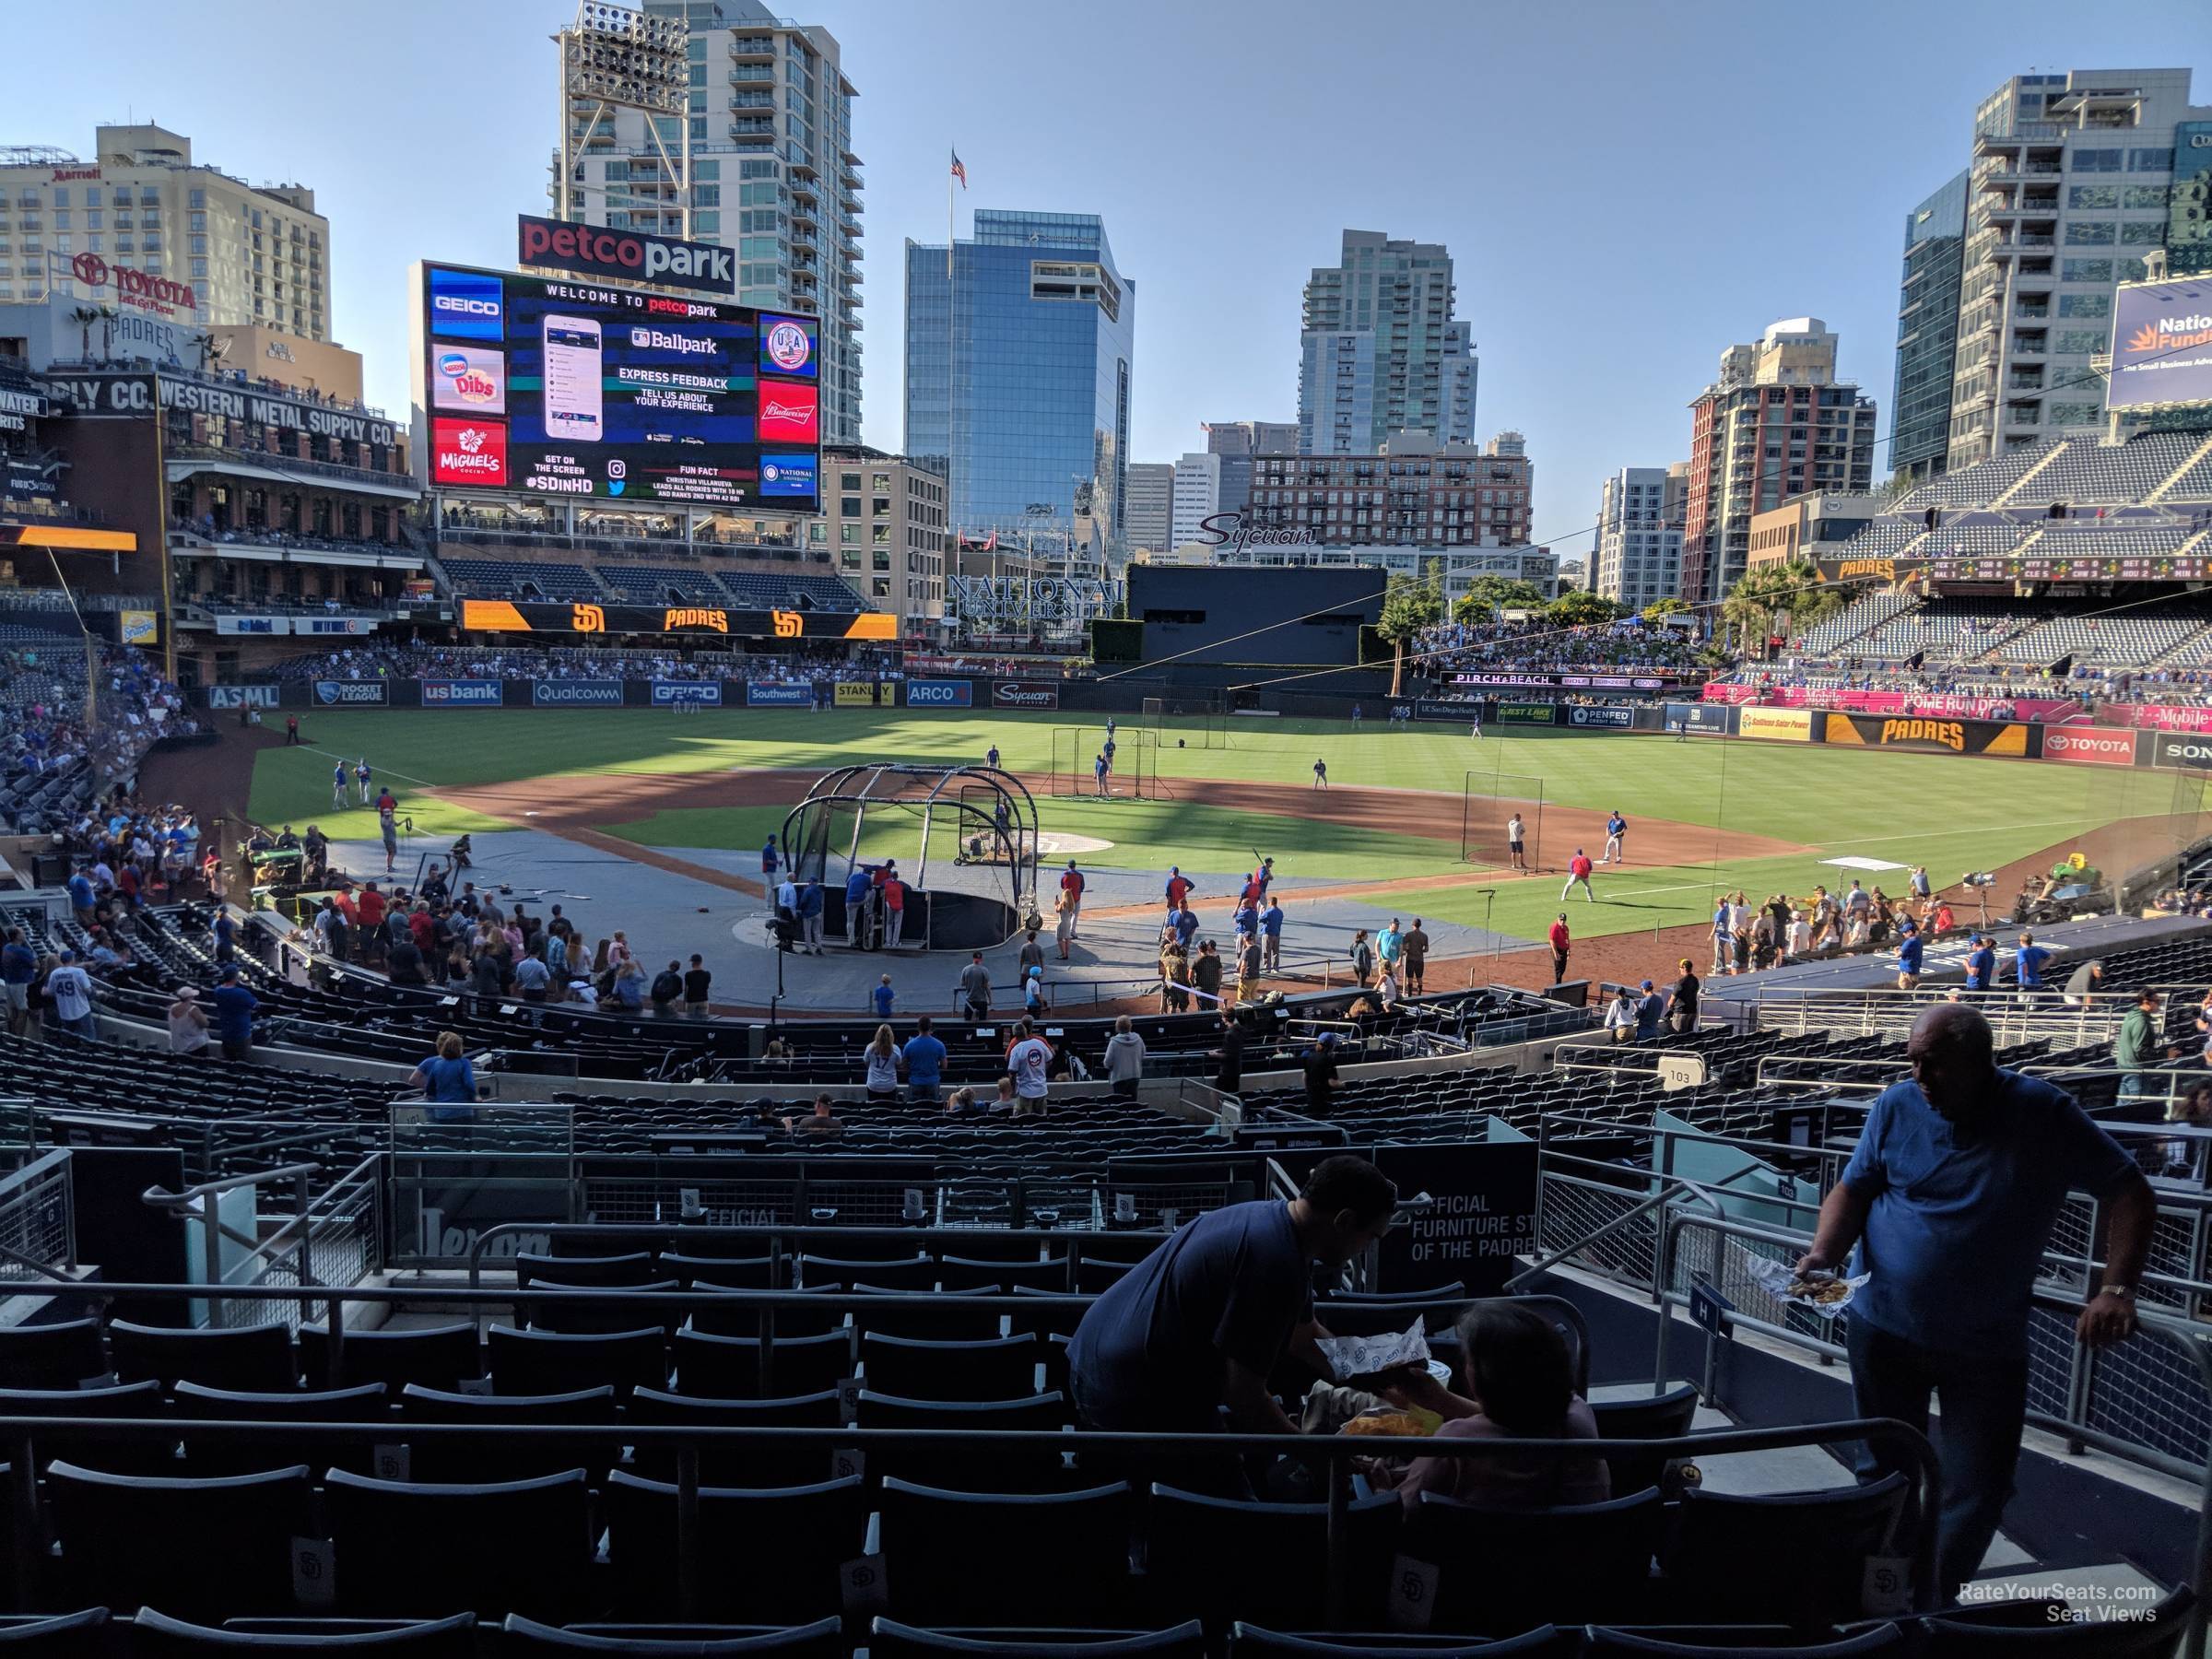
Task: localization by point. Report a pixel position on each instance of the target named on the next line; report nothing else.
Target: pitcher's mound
(1059, 846)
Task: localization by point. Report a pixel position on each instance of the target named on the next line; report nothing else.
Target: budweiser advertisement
(2089, 745)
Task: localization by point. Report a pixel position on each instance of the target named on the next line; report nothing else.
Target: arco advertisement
(1776, 726)
(1928, 733)
(2089, 745)
(939, 694)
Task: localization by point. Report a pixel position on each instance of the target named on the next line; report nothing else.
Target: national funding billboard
(550, 388)
(2161, 343)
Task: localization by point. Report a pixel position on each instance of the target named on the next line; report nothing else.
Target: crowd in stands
(45, 727)
(666, 534)
(397, 661)
(264, 536)
(1537, 643)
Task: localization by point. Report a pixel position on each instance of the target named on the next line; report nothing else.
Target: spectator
(1033, 953)
(1231, 1076)
(2140, 1044)
(1416, 946)
(883, 997)
(1649, 1007)
(403, 963)
(881, 1056)
(531, 976)
(925, 1057)
(187, 1023)
(1205, 975)
(1560, 942)
(630, 985)
(895, 893)
(697, 981)
(19, 968)
(1620, 1015)
(1124, 1058)
(1029, 1060)
(667, 990)
(1910, 951)
(447, 1081)
(1363, 958)
(1032, 993)
(1319, 1064)
(1682, 1003)
(2084, 983)
(1517, 1382)
(824, 1123)
(975, 988)
(69, 992)
(811, 901)
(2028, 964)
(234, 1009)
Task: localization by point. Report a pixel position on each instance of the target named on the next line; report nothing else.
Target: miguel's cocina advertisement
(1924, 731)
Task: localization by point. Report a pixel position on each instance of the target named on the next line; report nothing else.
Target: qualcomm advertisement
(2161, 343)
(939, 694)
(778, 696)
(576, 694)
(461, 694)
(666, 694)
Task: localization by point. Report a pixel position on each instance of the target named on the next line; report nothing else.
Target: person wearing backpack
(667, 990)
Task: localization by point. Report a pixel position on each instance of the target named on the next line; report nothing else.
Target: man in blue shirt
(81, 898)
(19, 967)
(226, 937)
(1981, 963)
(811, 900)
(1909, 952)
(885, 997)
(925, 1057)
(859, 889)
(1958, 1175)
(1198, 1325)
(235, 1007)
(2028, 962)
(1271, 941)
(1650, 1009)
(1186, 926)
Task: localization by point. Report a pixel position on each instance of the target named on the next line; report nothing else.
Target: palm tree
(84, 316)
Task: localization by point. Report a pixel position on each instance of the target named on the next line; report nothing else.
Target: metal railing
(2014, 1016)
(38, 1223)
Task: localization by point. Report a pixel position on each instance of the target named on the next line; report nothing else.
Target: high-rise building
(1418, 493)
(773, 175)
(1197, 496)
(1639, 556)
(2070, 188)
(1776, 423)
(1017, 372)
(143, 230)
(884, 518)
(1928, 333)
(1381, 352)
(1236, 441)
(1149, 510)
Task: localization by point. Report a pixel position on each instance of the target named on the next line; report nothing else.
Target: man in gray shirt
(975, 987)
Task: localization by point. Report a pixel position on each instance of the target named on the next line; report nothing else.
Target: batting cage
(1487, 807)
(1197, 721)
(1132, 773)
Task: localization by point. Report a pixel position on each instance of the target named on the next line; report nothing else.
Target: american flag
(960, 171)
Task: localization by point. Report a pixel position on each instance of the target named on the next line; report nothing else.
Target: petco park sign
(134, 286)
(624, 255)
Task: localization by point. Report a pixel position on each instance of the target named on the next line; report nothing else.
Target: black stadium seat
(63, 1635)
(1783, 1557)
(424, 1551)
(51, 1356)
(765, 1556)
(249, 1359)
(730, 1368)
(999, 1368)
(824, 1638)
(120, 1400)
(225, 1545)
(157, 1636)
(1220, 1558)
(478, 1460)
(1645, 1416)
(728, 1465)
(1570, 1564)
(228, 1454)
(609, 1271)
(545, 1362)
(962, 1470)
(890, 1640)
(1055, 1557)
(1880, 1639)
(1548, 1641)
(440, 1357)
(734, 1272)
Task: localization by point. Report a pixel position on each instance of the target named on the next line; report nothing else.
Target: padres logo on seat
(587, 618)
(790, 625)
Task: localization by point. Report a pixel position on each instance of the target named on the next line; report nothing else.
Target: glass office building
(1927, 333)
(1018, 364)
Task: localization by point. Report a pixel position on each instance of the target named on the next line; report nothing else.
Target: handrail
(162, 1198)
(1671, 1188)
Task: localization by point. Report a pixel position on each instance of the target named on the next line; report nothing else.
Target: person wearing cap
(1033, 992)
(1561, 940)
(234, 1007)
(1650, 1007)
(1319, 1063)
(2141, 1042)
(1911, 950)
(69, 991)
(2084, 983)
(187, 1023)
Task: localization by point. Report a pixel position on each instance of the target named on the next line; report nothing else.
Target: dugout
(1277, 616)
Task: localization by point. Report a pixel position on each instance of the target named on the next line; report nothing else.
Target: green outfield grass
(1952, 813)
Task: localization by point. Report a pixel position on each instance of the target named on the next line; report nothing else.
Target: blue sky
(1626, 187)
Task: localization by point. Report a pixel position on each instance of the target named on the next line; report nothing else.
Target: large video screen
(550, 388)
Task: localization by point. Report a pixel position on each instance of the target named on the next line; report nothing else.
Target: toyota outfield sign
(624, 255)
(2089, 745)
(576, 694)
(333, 694)
(1016, 694)
(939, 694)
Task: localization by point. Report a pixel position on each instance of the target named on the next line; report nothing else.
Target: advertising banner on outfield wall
(461, 694)
(2089, 745)
(1919, 732)
(939, 694)
(1435, 708)
(576, 694)
(707, 694)
(1023, 694)
(339, 694)
(2160, 717)
(775, 696)
(2189, 749)
(1777, 725)
(1698, 717)
(1614, 715)
(1852, 701)
(243, 696)
(1526, 714)
(858, 694)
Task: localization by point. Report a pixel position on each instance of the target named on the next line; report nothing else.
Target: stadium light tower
(613, 58)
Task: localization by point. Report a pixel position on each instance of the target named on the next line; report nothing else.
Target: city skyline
(1597, 304)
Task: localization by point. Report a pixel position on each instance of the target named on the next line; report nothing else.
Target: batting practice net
(1197, 721)
(1132, 776)
(1487, 810)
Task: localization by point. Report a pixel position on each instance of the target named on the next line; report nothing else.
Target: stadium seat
(763, 1555)
(1053, 1558)
(915, 1314)
(1219, 1558)
(790, 1320)
(63, 1635)
(890, 1640)
(1093, 1276)
(604, 1272)
(733, 1272)
(1646, 1417)
(1880, 1639)
(51, 1356)
(1251, 1641)
(472, 1460)
(549, 1362)
(730, 1368)
(1445, 1292)
(249, 1359)
(419, 1551)
(157, 1636)
(1572, 1564)
(910, 1273)
(1784, 1558)
(213, 1548)
(579, 1313)
(112, 1456)
(231, 1455)
(440, 1357)
(727, 1464)
(1376, 1318)
(963, 1471)
(824, 1638)
(966, 1273)
(1951, 1636)
(1000, 1368)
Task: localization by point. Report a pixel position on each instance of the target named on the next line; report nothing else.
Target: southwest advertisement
(1919, 732)
(2161, 343)
(939, 694)
(778, 696)
(2089, 745)
(1777, 725)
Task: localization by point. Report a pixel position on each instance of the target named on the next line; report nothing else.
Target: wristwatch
(2125, 1292)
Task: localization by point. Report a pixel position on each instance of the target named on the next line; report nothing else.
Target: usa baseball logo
(788, 346)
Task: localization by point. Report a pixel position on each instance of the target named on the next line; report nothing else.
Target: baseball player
(361, 775)
(337, 786)
(1617, 827)
(1578, 870)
